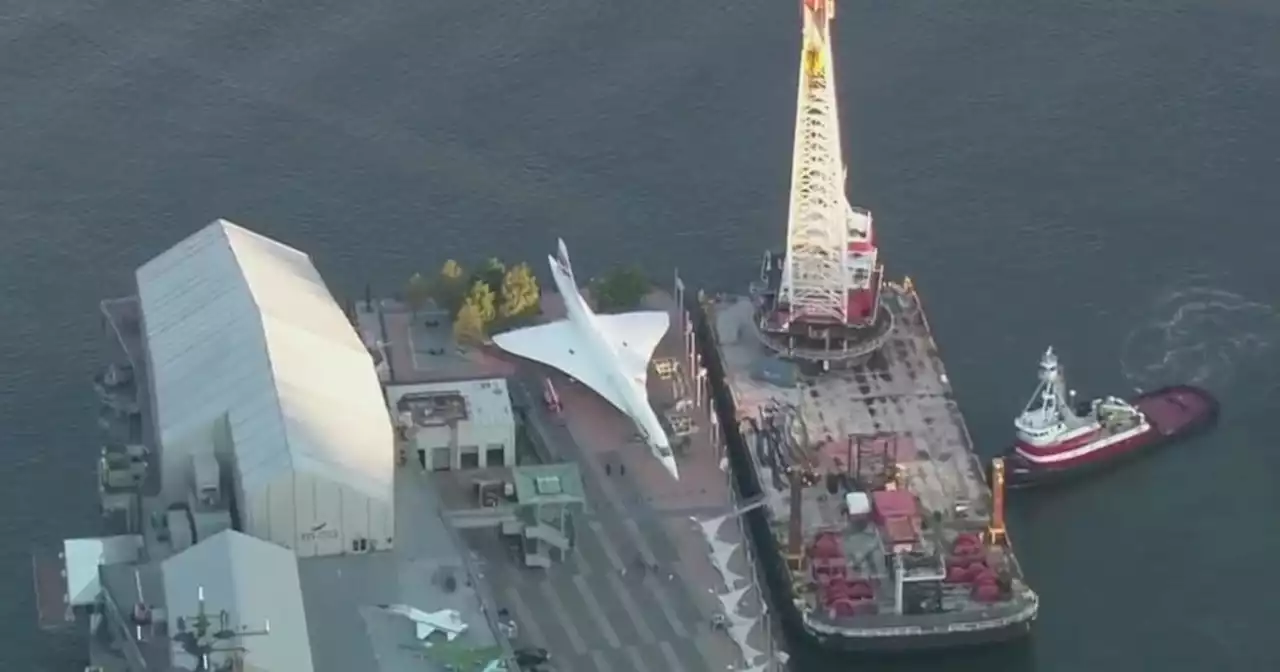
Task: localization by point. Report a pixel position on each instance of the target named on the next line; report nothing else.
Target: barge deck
(832, 452)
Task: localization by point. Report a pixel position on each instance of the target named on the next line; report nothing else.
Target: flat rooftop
(426, 570)
(480, 401)
(348, 629)
(548, 483)
(419, 347)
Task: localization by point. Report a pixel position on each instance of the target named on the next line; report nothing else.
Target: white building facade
(456, 425)
(252, 360)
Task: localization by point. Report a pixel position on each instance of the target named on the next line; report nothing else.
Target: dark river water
(1100, 176)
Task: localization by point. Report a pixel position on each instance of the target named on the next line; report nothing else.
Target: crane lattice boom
(830, 267)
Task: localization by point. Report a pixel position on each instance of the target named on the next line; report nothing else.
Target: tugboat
(1058, 437)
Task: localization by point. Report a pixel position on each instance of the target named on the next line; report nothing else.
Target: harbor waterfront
(1092, 176)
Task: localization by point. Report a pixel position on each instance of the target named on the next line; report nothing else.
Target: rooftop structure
(83, 557)
(462, 424)
(537, 509)
(251, 359)
(249, 589)
(302, 584)
(548, 484)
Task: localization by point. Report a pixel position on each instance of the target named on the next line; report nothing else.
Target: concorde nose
(670, 464)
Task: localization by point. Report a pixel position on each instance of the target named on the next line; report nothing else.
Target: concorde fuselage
(631, 392)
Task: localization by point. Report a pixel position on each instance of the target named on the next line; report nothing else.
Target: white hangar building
(250, 358)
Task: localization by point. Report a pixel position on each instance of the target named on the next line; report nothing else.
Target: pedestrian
(622, 470)
(608, 469)
(641, 566)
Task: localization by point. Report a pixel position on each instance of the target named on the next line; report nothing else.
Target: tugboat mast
(1050, 405)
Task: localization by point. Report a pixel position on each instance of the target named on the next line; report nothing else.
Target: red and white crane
(831, 273)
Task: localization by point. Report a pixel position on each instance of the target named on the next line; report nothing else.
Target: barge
(883, 534)
(879, 531)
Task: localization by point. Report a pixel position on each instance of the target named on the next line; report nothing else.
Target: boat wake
(1197, 335)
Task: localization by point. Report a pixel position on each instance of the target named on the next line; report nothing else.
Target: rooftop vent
(548, 485)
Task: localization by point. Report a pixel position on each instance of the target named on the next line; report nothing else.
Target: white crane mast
(815, 279)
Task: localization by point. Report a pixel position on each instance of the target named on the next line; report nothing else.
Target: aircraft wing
(559, 346)
(634, 336)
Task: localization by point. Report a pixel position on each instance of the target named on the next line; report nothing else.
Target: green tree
(619, 290)
(451, 270)
(468, 326)
(491, 274)
(483, 300)
(450, 286)
(519, 295)
(418, 292)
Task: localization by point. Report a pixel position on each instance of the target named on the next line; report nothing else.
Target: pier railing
(688, 308)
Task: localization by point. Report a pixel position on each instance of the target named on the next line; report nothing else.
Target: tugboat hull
(1174, 413)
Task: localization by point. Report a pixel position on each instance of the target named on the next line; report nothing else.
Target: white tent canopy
(247, 347)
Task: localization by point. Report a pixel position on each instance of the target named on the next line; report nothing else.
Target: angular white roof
(240, 325)
(256, 583)
(82, 558)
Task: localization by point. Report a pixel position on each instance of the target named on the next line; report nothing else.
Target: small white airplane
(447, 621)
(607, 353)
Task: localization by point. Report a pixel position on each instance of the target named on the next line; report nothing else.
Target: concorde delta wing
(634, 336)
(559, 346)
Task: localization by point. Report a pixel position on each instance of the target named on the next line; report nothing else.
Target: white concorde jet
(607, 353)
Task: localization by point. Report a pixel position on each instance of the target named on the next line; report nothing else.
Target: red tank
(986, 592)
(826, 545)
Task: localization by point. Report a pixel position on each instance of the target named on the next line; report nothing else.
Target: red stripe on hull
(1114, 450)
(1054, 448)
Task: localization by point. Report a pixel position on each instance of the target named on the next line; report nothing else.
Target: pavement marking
(611, 550)
(601, 663)
(709, 649)
(637, 659)
(669, 653)
(602, 621)
(642, 544)
(660, 595)
(413, 350)
(632, 609)
(525, 617)
(607, 545)
(595, 467)
(562, 665)
(562, 615)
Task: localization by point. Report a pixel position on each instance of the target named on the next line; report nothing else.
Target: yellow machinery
(996, 531)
